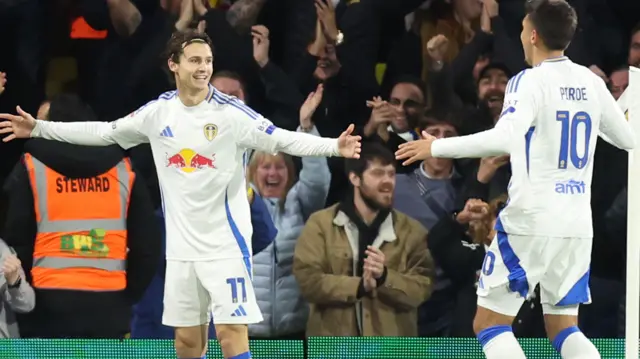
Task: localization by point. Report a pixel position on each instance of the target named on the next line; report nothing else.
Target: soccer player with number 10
(552, 116)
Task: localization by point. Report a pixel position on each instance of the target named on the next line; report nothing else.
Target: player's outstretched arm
(614, 127)
(303, 144)
(124, 132)
(519, 111)
(259, 133)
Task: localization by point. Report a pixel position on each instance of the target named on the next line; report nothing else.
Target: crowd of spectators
(394, 69)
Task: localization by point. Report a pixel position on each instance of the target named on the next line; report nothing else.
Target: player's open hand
(349, 146)
(415, 150)
(19, 126)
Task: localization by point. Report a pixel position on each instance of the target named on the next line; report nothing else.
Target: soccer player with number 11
(199, 137)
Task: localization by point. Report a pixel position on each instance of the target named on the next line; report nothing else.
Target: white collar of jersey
(554, 59)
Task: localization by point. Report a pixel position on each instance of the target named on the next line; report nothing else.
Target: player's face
(376, 186)
(440, 165)
(229, 86)
(527, 37)
(272, 176)
(408, 100)
(195, 67)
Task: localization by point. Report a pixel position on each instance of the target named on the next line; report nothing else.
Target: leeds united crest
(210, 131)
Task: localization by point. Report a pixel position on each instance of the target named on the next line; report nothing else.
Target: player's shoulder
(152, 105)
(232, 104)
(524, 79)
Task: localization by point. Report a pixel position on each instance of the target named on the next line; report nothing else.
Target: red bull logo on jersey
(188, 160)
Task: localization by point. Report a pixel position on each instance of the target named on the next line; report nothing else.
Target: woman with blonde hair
(290, 201)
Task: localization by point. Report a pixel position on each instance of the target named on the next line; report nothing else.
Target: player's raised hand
(19, 126)
(309, 107)
(415, 150)
(349, 146)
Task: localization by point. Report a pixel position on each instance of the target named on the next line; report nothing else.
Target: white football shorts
(193, 291)
(514, 265)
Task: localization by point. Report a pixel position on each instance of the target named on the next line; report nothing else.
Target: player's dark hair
(180, 39)
(371, 152)
(555, 21)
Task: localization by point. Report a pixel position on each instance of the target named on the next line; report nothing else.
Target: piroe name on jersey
(573, 93)
(91, 184)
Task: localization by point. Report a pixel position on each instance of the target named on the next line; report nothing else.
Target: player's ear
(534, 37)
(172, 65)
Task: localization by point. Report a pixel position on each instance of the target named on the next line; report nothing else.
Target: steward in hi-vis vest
(83, 226)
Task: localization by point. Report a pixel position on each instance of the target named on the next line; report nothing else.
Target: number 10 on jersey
(569, 138)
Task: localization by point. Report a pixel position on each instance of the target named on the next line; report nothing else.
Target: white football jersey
(552, 116)
(199, 153)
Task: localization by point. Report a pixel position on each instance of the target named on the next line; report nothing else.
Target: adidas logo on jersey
(239, 312)
(166, 132)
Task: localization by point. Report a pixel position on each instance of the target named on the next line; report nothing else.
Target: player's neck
(192, 97)
(540, 57)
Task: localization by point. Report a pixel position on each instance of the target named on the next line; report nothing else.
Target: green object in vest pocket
(91, 245)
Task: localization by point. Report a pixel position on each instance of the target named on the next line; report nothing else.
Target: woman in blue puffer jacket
(290, 203)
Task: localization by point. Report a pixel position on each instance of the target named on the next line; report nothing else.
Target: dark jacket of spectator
(80, 314)
(461, 261)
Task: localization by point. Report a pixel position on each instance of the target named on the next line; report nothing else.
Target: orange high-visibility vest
(81, 243)
(80, 29)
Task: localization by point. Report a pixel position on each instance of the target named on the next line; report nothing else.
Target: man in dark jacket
(78, 313)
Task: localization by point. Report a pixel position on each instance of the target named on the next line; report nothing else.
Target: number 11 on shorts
(234, 283)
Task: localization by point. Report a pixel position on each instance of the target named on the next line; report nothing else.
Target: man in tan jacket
(363, 267)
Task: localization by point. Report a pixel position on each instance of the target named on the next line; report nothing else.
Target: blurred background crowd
(392, 67)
